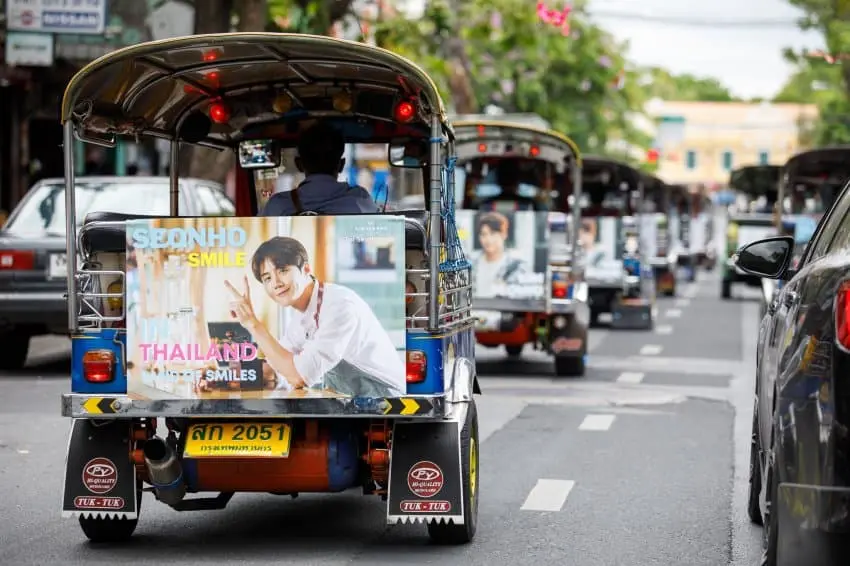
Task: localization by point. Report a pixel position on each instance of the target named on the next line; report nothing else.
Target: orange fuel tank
(321, 459)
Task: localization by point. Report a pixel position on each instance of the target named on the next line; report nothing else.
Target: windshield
(42, 213)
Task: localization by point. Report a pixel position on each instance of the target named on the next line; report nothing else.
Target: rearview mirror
(408, 155)
(765, 258)
(258, 154)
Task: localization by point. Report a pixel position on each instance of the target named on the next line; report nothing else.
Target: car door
(790, 307)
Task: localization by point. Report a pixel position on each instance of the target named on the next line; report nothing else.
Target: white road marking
(650, 350)
(630, 377)
(682, 302)
(595, 339)
(664, 329)
(23, 451)
(674, 313)
(548, 495)
(597, 422)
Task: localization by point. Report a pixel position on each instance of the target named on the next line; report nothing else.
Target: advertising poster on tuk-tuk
(509, 252)
(266, 307)
(602, 240)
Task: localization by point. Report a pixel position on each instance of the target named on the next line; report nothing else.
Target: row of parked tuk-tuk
(803, 189)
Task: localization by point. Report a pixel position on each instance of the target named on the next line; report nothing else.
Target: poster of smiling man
(509, 252)
(266, 307)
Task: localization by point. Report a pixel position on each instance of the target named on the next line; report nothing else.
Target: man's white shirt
(348, 330)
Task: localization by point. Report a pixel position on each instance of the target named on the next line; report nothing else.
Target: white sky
(748, 61)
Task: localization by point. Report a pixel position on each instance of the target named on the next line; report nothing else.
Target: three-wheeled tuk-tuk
(657, 237)
(616, 266)
(263, 353)
(755, 181)
(527, 289)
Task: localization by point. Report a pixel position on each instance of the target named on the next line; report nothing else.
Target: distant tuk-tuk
(616, 265)
(754, 181)
(527, 287)
(218, 327)
(661, 247)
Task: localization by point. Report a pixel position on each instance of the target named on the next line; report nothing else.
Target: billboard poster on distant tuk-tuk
(602, 239)
(509, 252)
(251, 308)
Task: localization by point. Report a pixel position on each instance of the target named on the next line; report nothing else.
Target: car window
(208, 203)
(227, 207)
(835, 233)
(42, 212)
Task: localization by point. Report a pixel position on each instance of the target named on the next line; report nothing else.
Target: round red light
(219, 113)
(211, 55)
(535, 151)
(481, 130)
(404, 111)
(482, 147)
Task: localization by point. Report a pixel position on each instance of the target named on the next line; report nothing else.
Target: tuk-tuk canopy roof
(595, 170)
(755, 180)
(252, 85)
(825, 165)
(470, 134)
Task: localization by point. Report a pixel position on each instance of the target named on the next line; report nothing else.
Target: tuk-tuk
(617, 270)
(217, 327)
(527, 289)
(662, 248)
(754, 181)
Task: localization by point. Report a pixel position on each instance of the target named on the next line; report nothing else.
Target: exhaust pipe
(164, 471)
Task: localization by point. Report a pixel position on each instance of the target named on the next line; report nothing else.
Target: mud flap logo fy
(100, 476)
(425, 479)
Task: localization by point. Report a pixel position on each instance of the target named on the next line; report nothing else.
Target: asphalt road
(643, 462)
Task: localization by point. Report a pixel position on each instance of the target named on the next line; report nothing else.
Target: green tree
(580, 83)
(686, 87)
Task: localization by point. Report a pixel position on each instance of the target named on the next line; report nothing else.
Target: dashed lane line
(664, 329)
(674, 313)
(548, 495)
(650, 350)
(630, 377)
(683, 302)
(597, 422)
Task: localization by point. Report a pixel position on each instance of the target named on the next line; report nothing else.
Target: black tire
(770, 533)
(445, 533)
(101, 530)
(514, 351)
(594, 319)
(16, 349)
(569, 366)
(754, 488)
(726, 289)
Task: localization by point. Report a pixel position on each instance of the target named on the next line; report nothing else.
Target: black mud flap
(631, 316)
(425, 474)
(100, 480)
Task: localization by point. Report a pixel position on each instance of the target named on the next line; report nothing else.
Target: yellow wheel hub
(473, 469)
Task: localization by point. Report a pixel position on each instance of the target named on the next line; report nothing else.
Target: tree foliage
(580, 84)
(686, 87)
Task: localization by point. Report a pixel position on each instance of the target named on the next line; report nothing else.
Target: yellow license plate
(238, 440)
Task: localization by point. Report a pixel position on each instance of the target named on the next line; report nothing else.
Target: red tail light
(98, 366)
(559, 290)
(17, 259)
(417, 368)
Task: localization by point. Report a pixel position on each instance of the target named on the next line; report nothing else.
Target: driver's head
(320, 150)
(507, 175)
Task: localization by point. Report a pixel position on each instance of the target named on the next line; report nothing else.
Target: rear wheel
(16, 344)
(726, 289)
(445, 533)
(771, 521)
(111, 529)
(514, 351)
(569, 366)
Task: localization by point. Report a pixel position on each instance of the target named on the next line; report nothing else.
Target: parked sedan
(32, 246)
(800, 454)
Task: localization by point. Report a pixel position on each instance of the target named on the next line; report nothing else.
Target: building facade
(702, 142)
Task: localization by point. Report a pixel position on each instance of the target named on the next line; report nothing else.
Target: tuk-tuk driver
(320, 151)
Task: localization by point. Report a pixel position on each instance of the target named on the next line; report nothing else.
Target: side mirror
(408, 155)
(258, 154)
(765, 258)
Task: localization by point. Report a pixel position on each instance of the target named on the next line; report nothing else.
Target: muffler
(164, 471)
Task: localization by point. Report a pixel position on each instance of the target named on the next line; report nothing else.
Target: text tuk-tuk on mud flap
(619, 279)
(256, 395)
(528, 287)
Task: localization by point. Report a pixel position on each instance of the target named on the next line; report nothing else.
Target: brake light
(842, 315)
(17, 259)
(534, 151)
(416, 366)
(98, 366)
(560, 285)
(482, 148)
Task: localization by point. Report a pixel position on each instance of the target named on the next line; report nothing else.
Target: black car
(32, 246)
(800, 455)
